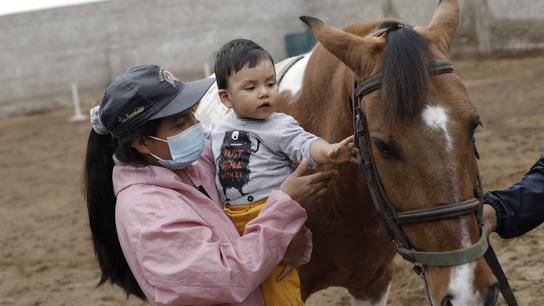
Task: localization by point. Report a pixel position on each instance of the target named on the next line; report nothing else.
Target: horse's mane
(406, 72)
(407, 68)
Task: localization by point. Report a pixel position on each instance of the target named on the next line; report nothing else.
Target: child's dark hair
(98, 190)
(234, 56)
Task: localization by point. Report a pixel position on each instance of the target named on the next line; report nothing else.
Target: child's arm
(324, 152)
(289, 138)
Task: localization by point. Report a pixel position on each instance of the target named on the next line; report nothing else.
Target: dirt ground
(45, 252)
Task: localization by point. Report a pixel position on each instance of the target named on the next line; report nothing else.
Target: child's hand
(344, 151)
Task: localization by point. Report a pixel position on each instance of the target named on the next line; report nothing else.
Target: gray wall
(42, 52)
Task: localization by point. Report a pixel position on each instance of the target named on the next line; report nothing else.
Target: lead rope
(504, 287)
(490, 256)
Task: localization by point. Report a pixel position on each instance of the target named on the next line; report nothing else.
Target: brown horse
(421, 127)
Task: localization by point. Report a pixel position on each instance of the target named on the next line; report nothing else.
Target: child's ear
(141, 144)
(225, 98)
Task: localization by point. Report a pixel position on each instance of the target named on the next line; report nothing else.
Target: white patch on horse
(210, 110)
(292, 80)
(436, 118)
(381, 302)
(462, 277)
(461, 284)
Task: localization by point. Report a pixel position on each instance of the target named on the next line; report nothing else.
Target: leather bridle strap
(439, 212)
(373, 83)
(450, 258)
(504, 286)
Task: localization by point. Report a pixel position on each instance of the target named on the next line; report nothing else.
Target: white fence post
(78, 116)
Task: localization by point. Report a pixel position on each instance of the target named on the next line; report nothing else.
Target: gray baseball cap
(145, 93)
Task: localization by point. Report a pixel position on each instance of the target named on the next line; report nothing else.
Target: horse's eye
(384, 148)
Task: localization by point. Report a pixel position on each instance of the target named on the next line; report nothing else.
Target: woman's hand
(307, 188)
(294, 253)
(295, 250)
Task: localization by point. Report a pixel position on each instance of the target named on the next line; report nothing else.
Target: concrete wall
(42, 52)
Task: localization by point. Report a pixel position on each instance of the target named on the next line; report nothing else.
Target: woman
(157, 226)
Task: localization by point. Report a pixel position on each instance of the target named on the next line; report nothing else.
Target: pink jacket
(183, 249)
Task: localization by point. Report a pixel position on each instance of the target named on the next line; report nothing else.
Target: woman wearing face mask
(157, 227)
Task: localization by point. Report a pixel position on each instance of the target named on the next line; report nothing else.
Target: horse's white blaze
(436, 118)
(461, 283)
(381, 302)
(292, 81)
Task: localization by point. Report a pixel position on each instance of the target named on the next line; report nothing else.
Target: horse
(421, 130)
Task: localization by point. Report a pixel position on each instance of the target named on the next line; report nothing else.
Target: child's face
(252, 92)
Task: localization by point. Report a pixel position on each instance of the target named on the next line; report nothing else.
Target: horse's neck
(322, 104)
(322, 107)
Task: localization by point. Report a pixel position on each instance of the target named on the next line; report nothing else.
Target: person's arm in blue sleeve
(520, 208)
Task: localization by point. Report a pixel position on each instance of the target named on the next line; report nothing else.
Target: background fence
(42, 52)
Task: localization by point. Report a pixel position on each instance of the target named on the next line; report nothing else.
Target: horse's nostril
(492, 295)
(446, 301)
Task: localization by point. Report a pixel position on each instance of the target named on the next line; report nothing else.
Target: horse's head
(421, 129)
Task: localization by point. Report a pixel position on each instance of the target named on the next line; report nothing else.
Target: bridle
(392, 219)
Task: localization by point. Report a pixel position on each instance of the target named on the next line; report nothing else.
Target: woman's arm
(186, 263)
(188, 259)
(520, 208)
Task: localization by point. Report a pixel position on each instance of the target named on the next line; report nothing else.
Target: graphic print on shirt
(233, 161)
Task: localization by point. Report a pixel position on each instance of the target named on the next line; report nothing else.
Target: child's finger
(284, 273)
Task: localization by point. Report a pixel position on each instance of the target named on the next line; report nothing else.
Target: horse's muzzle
(491, 297)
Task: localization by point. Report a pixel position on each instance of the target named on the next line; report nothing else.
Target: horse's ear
(443, 25)
(349, 48)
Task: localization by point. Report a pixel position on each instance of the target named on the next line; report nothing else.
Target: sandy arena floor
(45, 252)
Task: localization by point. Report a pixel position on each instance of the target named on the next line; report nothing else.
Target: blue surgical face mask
(185, 147)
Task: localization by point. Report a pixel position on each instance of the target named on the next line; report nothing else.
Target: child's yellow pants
(283, 293)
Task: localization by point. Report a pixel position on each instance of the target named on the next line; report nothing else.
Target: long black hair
(98, 190)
